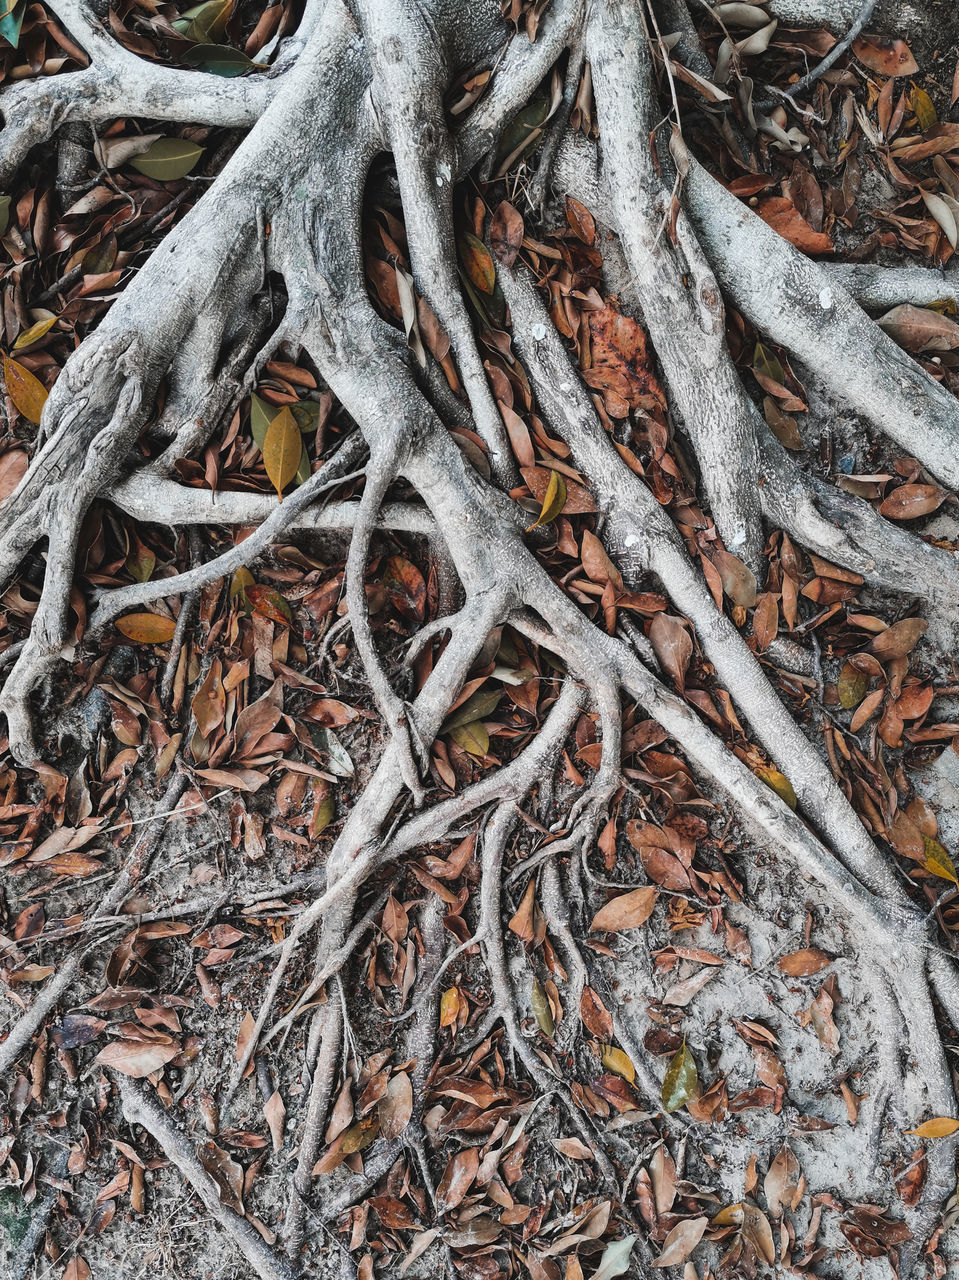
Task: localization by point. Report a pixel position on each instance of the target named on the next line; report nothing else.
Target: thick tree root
(355, 88)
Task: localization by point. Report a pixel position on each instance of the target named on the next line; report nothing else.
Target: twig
(139, 1108)
(833, 56)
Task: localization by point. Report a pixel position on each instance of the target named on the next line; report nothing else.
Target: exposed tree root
(355, 88)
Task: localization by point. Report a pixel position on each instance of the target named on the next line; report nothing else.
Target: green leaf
(924, 109)
(477, 707)
(205, 22)
(11, 22)
(261, 415)
(524, 132)
(681, 1080)
(541, 1008)
(304, 470)
(282, 450)
(4, 214)
(619, 1063)
(218, 59)
(478, 262)
(307, 414)
(779, 783)
(472, 737)
(766, 362)
(168, 159)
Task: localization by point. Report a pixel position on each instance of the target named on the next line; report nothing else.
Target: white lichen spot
(539, 332)
(443, 173)
(630, 540)
(825, 299)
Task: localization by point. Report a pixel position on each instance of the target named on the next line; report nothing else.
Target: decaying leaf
(628, 911)
(681, 1081)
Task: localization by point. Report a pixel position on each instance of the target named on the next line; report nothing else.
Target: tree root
(677, 227)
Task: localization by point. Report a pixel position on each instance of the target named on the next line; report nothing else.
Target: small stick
(139, 1108)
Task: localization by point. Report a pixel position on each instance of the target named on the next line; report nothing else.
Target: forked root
(322, 125)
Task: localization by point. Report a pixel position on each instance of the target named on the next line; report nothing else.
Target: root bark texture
(355, 81)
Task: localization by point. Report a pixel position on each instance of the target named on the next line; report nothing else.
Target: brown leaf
(274, 1112)
(225, 1172)
(800, 964)
(138, 1058)
(782, 1181)
(147, 628)
(396, 1105)
(596, 1017)
(739, 581)
(599, 568)
(506, 233)
(783, 216)
(13, 467)
(405, 588)
(681, 1241)
(898, 640)
(910, 501)
(920, 328)
(457, 1180)
(579, 501)
(580, 220)
(628, 911)
(672, 645)
(886, 56)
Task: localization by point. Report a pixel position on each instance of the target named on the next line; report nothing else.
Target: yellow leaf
(554, 499)
(282, 446)
(941, 1127)
(615, 1060)
(34, 333)
(449, 1007)
(923, 107)
(147, 628)
(731, 1216)
(779, 783)
(26, 391)
(937, 860)
(360, 1135)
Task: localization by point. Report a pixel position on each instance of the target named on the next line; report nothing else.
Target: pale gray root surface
(355, 81)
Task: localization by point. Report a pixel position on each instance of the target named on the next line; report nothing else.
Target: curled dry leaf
(628, 911)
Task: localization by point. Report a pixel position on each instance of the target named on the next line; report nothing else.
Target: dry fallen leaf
(628, 911)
